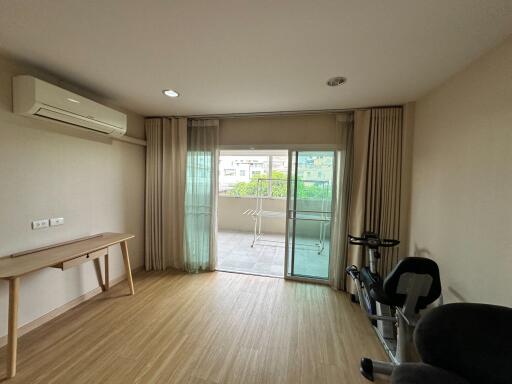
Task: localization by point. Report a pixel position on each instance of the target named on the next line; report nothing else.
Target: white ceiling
(233, 56)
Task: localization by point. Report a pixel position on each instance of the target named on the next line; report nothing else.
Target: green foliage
(313, 191)
(243, 189)
(305, 190)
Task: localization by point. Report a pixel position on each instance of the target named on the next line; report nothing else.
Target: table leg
(99, 276)
(126, 258)
(12, 338)
(107, 278)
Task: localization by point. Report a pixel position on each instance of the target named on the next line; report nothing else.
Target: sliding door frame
(296, 150)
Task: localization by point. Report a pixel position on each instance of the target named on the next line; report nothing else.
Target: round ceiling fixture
(335, 81)
(170, 93)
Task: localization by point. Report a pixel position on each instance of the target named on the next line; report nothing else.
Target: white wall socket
(54, 221)
(40, 224)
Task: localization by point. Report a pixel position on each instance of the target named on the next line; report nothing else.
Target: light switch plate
(54, 221)
(40, 224)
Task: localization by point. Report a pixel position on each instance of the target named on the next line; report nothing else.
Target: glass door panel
(291, 205)
(310, 193)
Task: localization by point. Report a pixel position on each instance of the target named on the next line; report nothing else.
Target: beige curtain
(344, 168)
(166, 157)
(374, 203)
(384, 179)
(357, 188)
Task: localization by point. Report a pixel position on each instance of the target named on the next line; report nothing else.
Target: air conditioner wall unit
(37, 98)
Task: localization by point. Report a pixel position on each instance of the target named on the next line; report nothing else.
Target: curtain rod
(282, 113)
(270, 114)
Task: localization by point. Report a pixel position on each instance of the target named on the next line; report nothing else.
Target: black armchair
(461, 344)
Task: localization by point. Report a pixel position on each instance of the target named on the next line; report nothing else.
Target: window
(246, 173)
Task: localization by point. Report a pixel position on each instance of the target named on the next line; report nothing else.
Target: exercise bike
(392, 304)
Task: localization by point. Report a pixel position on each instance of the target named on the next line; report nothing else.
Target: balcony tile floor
(234, 254)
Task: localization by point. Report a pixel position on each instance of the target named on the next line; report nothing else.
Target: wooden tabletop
(42, 258)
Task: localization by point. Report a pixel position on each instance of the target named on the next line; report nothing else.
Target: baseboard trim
(26, 328)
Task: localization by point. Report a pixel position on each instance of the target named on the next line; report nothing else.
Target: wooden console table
(63, 256)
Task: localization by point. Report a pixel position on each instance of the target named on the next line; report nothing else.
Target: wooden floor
(199, 329)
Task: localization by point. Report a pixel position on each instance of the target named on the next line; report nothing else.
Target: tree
(305, 190)
(243, 188)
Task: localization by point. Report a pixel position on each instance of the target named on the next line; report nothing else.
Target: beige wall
(231, 218)
(462, 180)
(283, 130)
(49, 170)
(230, 214)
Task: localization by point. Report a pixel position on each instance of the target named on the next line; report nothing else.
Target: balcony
(236, 235)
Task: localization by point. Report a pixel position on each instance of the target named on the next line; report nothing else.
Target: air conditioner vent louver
(34, 97)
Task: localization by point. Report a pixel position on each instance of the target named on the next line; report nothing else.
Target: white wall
(48, 170)
(462, 180)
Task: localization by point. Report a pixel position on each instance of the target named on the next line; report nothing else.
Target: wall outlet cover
(40, 224)
(54, 221)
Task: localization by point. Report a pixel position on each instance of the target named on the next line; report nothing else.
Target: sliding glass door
(309, 212)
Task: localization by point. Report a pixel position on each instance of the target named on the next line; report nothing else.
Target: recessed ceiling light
(73, 100)
(335, 81)
(170, 93)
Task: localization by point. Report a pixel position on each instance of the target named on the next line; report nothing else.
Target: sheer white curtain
(166, 156)
(345, 125)
(200, 196)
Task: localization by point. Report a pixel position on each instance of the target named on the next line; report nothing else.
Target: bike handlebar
(389, 242)
(353, 272)
(373, 241)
